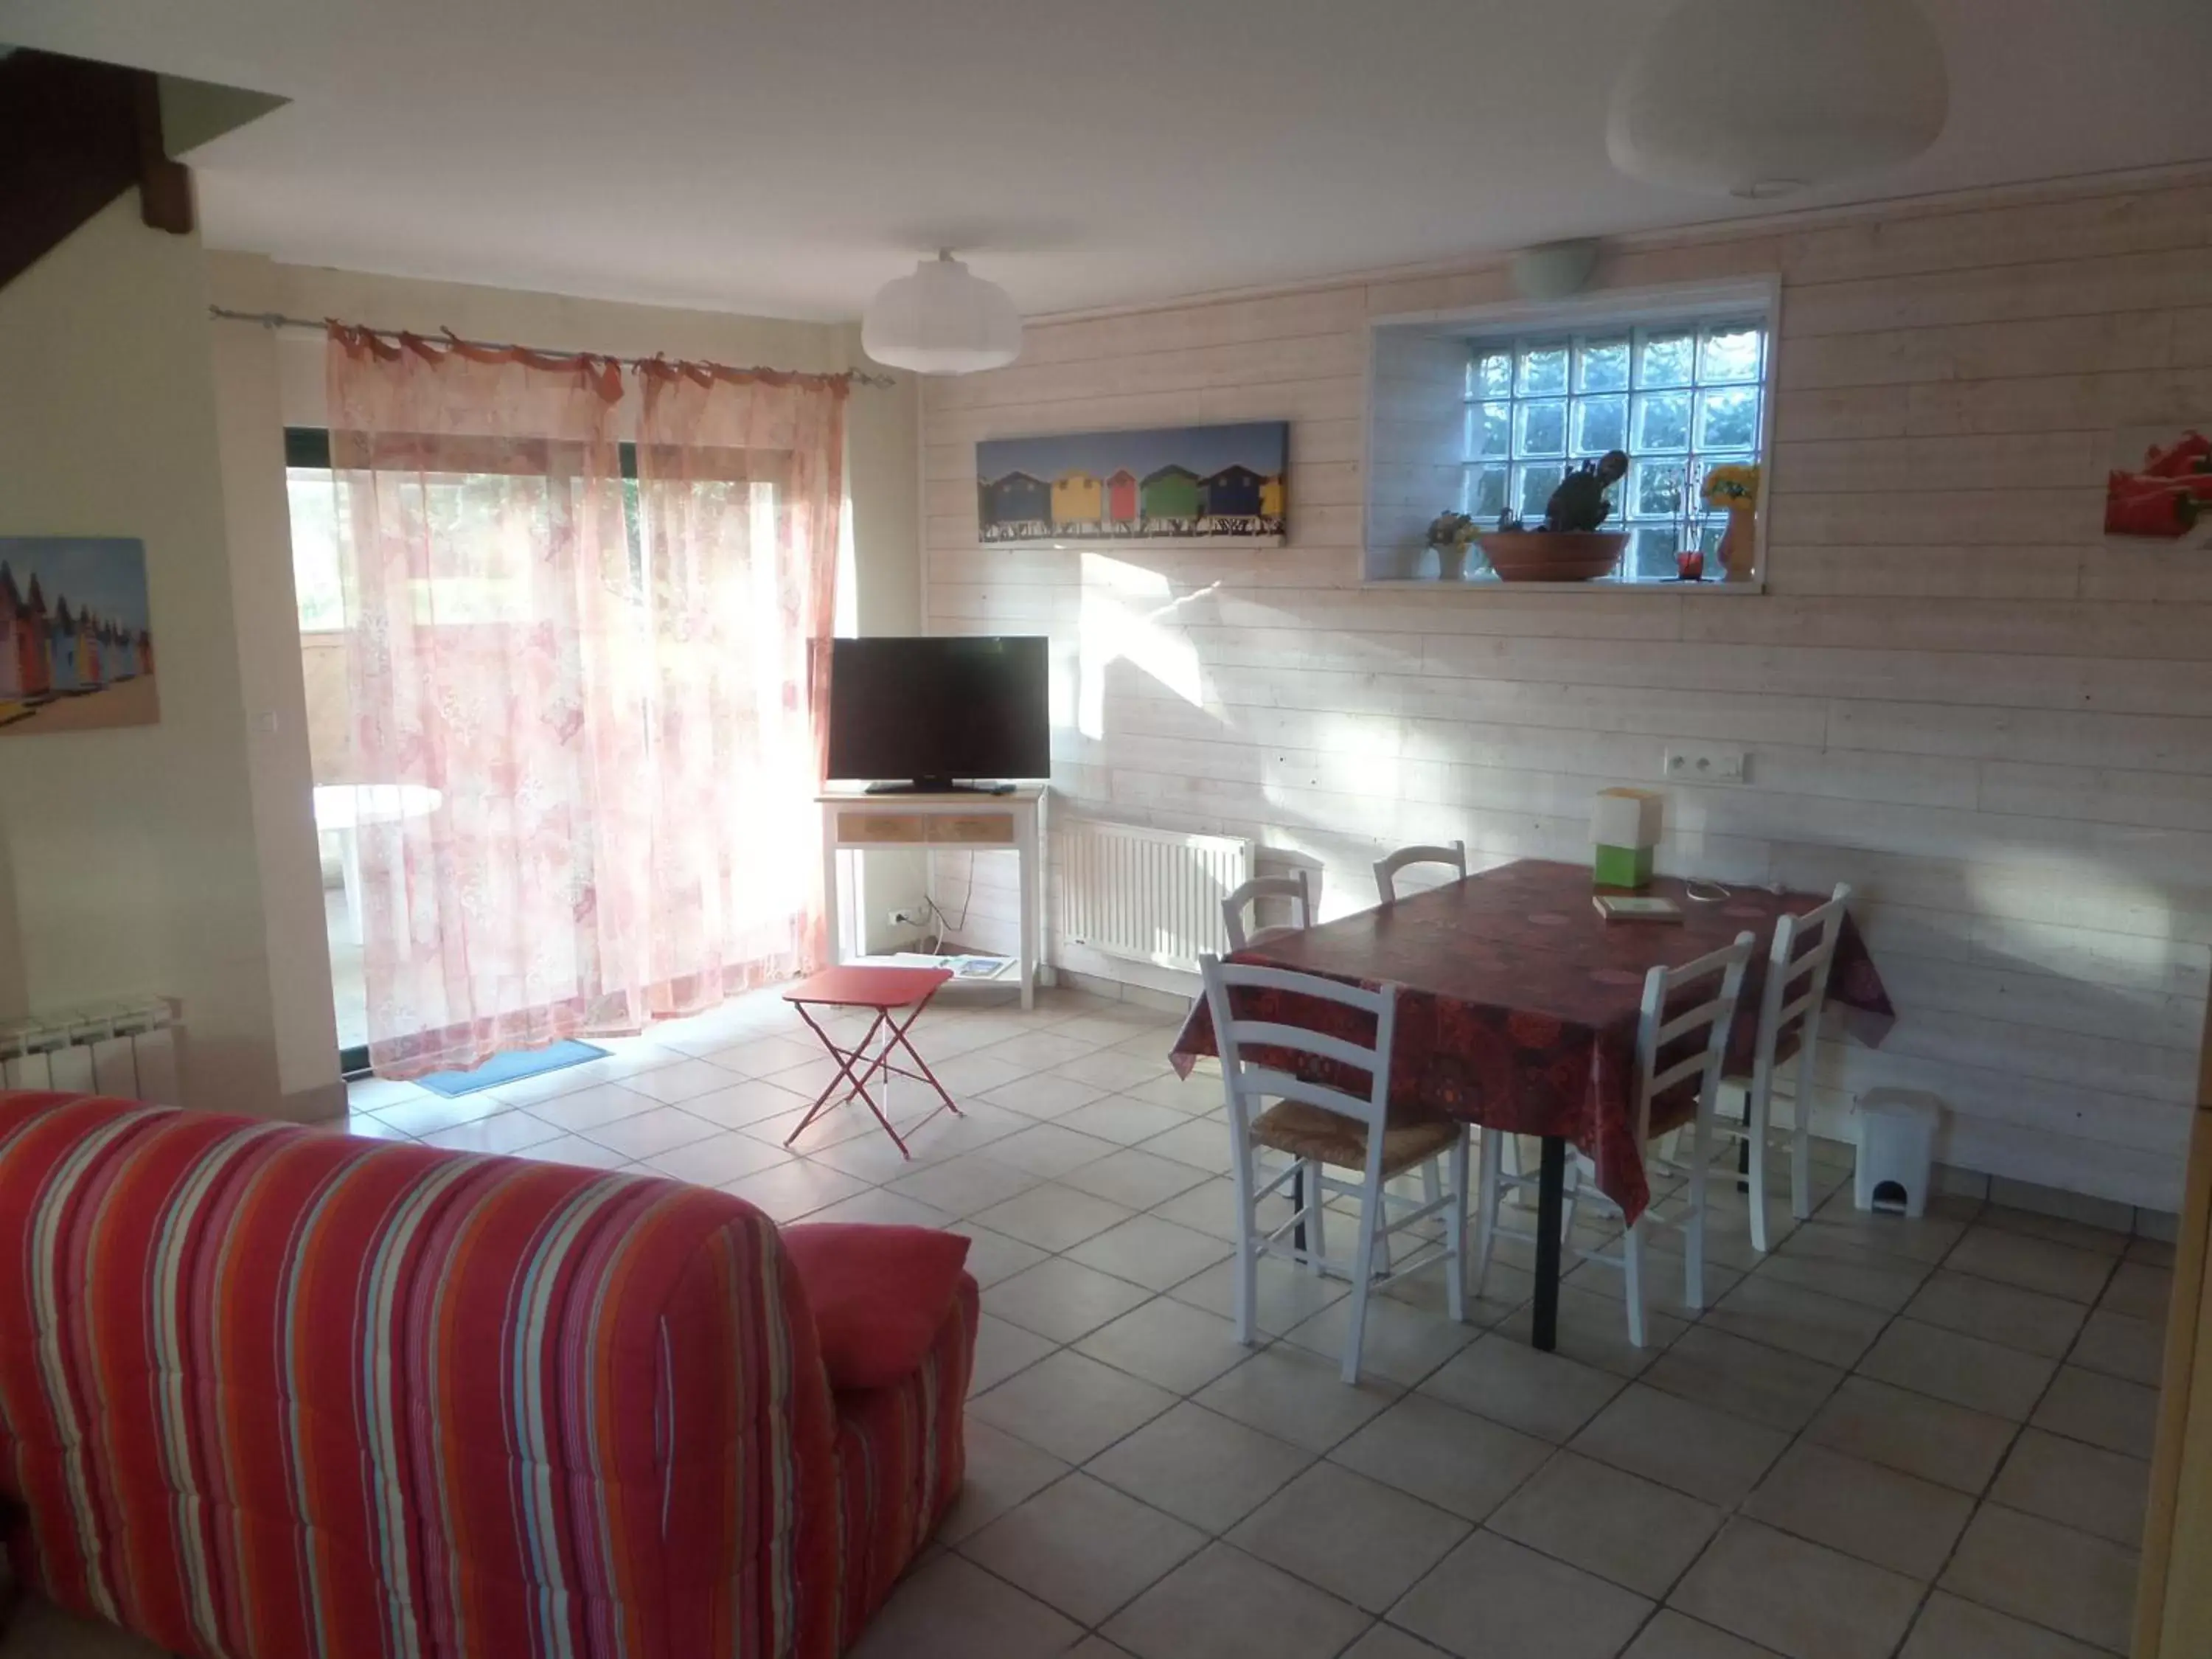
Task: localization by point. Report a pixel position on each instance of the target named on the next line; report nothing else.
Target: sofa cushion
(879, 1295)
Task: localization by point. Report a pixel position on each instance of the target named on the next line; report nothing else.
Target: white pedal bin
(1897, 1149)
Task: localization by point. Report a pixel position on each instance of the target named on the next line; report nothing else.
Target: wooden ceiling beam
(74, 136)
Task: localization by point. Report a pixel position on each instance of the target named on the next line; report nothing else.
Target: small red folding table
(886, 991)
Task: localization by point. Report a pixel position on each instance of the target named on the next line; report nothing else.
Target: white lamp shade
(943, 320)
(1759, 98)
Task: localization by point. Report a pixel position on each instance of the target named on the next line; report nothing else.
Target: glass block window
(1681, 397)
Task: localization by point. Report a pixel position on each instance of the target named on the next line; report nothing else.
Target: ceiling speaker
(1554, 270)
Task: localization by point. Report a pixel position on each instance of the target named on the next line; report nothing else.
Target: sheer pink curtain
(495, 665)
(741, 492)
(607, 717)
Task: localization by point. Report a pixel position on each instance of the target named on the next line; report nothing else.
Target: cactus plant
(1579, 502)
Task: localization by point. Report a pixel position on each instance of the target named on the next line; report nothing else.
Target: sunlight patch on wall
(1129, 616)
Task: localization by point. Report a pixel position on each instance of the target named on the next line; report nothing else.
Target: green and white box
(1625, 830)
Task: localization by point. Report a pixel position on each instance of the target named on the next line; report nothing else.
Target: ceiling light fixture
(942, 319)
(1760, 98)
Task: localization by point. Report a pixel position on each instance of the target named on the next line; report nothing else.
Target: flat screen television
(920, 714)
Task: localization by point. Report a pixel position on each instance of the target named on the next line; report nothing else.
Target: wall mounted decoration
(1193, 481)
(2160, 488)
(76, 639)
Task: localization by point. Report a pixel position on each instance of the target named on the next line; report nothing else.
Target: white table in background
(342, 808)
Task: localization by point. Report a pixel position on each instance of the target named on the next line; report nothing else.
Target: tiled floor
(1923, 1439)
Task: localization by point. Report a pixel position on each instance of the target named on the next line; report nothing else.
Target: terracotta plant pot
(1554, 556)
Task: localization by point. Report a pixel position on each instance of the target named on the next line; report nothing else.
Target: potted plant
(1568, 546)
(1735, 490)
(1451, 534)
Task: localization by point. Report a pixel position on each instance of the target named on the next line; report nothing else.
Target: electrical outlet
(1705, 764)
(915, 918)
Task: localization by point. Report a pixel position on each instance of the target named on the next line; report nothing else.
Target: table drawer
(972, 827)
(893, 828)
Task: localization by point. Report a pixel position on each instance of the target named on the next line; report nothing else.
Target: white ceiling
(786, 158)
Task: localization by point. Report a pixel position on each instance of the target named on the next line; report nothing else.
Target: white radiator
(1147, 894)
(123, 1048)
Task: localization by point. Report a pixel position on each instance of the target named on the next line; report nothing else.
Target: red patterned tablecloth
(1518, 1004)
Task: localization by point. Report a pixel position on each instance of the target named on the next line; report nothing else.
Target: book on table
(1636, 907)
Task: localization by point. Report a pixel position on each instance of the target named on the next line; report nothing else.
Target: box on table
(1625, 831)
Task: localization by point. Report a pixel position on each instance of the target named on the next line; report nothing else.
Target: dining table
(1517, 1011)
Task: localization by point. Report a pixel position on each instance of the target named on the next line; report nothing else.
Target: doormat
(512, 1067)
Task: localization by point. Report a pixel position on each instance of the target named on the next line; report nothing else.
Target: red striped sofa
(267, 1392)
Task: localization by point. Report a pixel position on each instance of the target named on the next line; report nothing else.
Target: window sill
(1593, 585)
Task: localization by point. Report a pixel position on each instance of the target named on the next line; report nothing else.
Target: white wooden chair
(1386, 870)
(1659, 1032)
(1320, 1129)
(1295, 888)
(1798, 966)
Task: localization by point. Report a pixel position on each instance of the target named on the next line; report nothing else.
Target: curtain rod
(274, 320)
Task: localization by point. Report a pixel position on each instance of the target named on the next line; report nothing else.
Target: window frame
(1609, 312)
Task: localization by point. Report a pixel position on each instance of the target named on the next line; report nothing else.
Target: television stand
(928, 816)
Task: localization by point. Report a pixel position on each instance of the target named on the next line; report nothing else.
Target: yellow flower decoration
(1731, 487)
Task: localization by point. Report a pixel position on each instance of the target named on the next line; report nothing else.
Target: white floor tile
(505, 1132)
(1632, 1531)
(1225, 1605)
(1002, 1471)
(661, 1129)
(993, 1256)
(961, 1186)
(1357, 1539)
(1276, 1392)
(1150, 1252)
(795, 1190)
(1179, 1347)
(1201, 1466)
(589, 1107)
(1061, 1299)
(1492, 1596)
(1052, 1217)
(1048, 1149)
(953, 1609)
(1453, 1459)
(718, 1160)
(673, 1084)
(1137, 1179)
(1070, 1406)
(1083, 1547)
(1797, 1597)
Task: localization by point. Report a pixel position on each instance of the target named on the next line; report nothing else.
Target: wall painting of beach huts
(1193, 481)
(76, 641)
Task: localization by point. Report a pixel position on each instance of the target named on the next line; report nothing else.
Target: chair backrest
(1246, 1080)
(1798, 967)
(1295, 888)
(1710, 987)
(1387, 869)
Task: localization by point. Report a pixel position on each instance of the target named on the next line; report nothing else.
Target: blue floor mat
(511, 1068)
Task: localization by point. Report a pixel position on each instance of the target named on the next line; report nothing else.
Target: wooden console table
(961, 823)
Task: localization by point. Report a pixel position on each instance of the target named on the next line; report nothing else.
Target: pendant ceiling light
(1760, 98)
(943, 320)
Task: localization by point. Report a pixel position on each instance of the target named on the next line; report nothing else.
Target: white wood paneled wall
(1955, 696)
